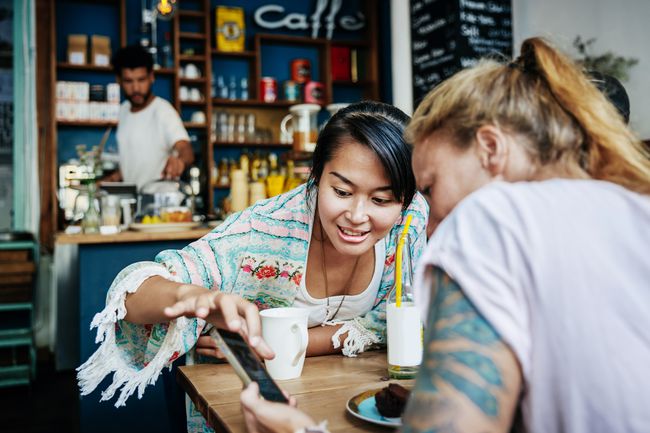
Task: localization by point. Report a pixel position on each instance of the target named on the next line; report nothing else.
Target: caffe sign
(325, 16)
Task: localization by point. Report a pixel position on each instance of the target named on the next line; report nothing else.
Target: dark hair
(614, 90)
(131, 57)
(378, 126)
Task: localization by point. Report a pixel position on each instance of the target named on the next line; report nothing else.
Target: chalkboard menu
(448, 35)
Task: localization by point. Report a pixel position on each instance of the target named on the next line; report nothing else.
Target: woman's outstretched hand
(263, 416)
(224, 311)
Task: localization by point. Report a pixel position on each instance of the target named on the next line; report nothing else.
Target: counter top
(131, 236)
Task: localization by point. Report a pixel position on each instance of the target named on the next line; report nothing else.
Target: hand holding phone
(246, 364)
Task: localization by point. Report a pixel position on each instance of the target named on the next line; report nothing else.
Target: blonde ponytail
(544, 97)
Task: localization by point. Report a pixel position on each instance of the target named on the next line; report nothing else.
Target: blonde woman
(535, 281)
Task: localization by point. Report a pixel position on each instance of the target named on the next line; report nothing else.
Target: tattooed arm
(469, 380)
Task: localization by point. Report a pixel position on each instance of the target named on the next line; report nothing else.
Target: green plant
(607, 63)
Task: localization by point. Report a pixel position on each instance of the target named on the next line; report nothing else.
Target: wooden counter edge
(130, 236)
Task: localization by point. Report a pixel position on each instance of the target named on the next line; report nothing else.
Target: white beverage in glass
(403, 325)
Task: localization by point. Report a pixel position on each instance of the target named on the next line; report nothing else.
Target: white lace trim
(109, 358)
(358, 339)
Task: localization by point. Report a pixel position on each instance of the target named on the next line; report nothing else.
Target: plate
(163, 227)
(363, 407)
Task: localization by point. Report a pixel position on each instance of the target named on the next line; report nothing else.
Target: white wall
(620, 26)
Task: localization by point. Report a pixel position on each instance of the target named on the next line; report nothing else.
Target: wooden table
(326, 384)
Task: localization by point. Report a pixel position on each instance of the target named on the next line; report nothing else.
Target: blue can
(291, 91)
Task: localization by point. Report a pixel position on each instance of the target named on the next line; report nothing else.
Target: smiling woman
(327, 246)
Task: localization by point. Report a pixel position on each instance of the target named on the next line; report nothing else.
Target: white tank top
(353, 305)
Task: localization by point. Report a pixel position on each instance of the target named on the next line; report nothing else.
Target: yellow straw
(398, 262)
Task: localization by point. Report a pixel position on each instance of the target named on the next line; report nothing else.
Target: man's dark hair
(614, 90)
(378, 126)
(131, 57)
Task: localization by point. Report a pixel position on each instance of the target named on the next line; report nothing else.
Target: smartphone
(246, 364)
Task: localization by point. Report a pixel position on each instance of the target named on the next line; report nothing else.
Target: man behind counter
(152, 142)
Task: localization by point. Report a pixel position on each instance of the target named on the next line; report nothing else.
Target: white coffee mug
(195, 94)
(198, 117)
(184, 93)
(191, 71)
(285, 331)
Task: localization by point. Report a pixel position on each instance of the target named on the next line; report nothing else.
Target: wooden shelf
(221, 186)
(189, 35)
(87, 123)
(191, 14)
(252, 103)
(164, 71)
(87, 68)
(353, 83)
(245, 54)
(194, 125)
(192, 80)
(193, 103)
(194, 58)
(349, 43)
(250, 144)
(290, 40)
(109, 69)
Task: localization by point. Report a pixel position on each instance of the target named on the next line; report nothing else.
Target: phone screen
(253, 367)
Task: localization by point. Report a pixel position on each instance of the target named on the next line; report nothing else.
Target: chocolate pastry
(390, 401)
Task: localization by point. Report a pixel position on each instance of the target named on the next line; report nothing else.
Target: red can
(268, 89)
(300, 70)
(314, 92)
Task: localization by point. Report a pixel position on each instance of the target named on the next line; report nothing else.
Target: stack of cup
(238, 190)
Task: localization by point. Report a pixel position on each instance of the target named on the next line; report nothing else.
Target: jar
(304, 126)
(300, 70)
(291, 91)
(268, 89)
(314, 92)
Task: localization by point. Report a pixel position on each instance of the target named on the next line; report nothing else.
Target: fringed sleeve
(135, 354)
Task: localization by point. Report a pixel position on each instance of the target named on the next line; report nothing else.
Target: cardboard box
(101, 50)
(77, 49)
(230, 29)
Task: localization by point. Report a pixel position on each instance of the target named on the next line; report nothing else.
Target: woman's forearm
(320, 340)
(147, 304)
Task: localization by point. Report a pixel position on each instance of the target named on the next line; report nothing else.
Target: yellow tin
(230, 30)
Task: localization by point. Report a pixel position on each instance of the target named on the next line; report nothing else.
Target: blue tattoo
(459, 349)
(482, 398)
(482, 365)
(473, 329)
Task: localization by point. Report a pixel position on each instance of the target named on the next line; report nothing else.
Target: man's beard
(145, 98)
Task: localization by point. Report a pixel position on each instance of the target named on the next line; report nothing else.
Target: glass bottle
(244, 88)
(90, 220)
(224, 176)
(232, 88)
(222, 90)
(403, 325)
(250, 128)
(241, 128)
(167, 56)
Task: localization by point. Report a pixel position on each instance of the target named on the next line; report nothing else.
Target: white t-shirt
(561, 269)
(145, 140)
